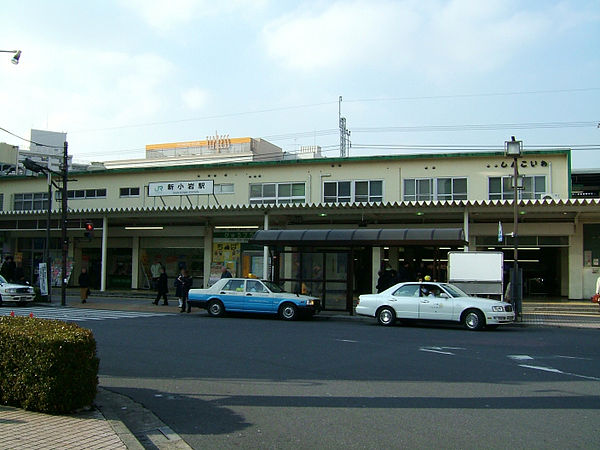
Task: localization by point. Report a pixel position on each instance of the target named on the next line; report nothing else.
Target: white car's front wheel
(473, 320)
(386, 316)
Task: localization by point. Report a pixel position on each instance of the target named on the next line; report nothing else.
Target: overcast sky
(415, 76)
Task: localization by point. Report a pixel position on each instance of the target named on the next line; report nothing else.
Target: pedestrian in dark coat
(162, 288)
(8, 269)
(84, 285)
(225, 273)
(183, 285)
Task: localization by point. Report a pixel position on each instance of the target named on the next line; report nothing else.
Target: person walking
(155, 272)
(84, 285)
(162, 288)
(183, 285)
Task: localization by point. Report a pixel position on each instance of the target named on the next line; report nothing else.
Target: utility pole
(345, 143)
(63, 219)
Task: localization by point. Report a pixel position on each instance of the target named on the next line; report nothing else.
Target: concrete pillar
(135, 262)
(470, 244)
(266, 251)
(104, 253)
(576, 263)
(376, 258)
(208, 249)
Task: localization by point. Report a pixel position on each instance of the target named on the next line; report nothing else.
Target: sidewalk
(116, 422)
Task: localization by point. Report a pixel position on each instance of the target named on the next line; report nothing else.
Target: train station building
(200, 204)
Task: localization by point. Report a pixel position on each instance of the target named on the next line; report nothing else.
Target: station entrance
(338, 265)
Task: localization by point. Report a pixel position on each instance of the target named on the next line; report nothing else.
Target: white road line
(346, 340)
(574, 357)
(520, 357)
(433, 350)
(551, 369)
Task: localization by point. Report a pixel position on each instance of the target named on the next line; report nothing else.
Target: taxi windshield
(273, 287)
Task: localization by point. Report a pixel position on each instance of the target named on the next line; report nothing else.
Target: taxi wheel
(288, 311)
(473, 320)
(386, 316)
(215, 308)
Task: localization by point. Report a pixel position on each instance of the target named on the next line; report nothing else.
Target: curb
(136, 426)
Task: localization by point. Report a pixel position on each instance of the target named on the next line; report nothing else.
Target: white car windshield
(453, 290)
(3, 280)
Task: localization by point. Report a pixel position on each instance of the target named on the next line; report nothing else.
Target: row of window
(367, 191)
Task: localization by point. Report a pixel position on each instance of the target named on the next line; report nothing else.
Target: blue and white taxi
(253, 296)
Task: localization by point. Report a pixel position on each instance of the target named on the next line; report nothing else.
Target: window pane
(255, 190)
(494, 185)
(361, 188)
(330, 189)
(285, 190)
(409, 187)
(298, 189)
(123, 192)
(135, 191)
(344, 188)
(268, 190)
(101, 193)
(444, 186)
(376, 188)
(460, 186)
(424, 186)
(540, 184)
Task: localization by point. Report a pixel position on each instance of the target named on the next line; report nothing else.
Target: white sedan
(11, 292)
(434, 301)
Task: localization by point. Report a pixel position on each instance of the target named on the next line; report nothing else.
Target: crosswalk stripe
(76, 314)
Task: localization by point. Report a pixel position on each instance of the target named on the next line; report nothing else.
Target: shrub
(46, 365)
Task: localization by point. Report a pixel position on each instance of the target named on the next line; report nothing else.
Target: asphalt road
(257, 382)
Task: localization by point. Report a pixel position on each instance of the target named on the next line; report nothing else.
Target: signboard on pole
(43, 278)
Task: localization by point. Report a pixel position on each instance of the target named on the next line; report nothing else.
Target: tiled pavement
(20, 429)
(93, 429)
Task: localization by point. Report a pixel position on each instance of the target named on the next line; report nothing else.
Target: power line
(485, 94)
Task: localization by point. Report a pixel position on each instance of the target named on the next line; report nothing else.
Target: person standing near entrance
(183, 285)
(225, 273)
(84, 285)
(162, 288)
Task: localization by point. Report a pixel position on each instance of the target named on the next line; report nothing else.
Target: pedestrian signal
(89, 230)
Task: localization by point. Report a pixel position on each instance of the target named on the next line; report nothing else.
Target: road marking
(77, 314)
(346, 340)
(435, 350)
(520, 357)
(574, 357)
(551, 369)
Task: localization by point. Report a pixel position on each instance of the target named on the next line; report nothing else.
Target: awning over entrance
(361, 237)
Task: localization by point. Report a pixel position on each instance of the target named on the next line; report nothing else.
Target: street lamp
(514, 148)
(15, 59)
(37, 168)
(64, 169)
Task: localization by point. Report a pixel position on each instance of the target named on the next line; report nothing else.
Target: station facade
(203, 213)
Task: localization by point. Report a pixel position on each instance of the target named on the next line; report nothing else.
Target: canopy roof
(361, 237)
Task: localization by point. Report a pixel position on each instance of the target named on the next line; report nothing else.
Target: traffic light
(89, 230)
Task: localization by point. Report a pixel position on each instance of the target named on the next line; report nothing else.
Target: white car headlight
(310, 302)
(498, 308)
(11, 291)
